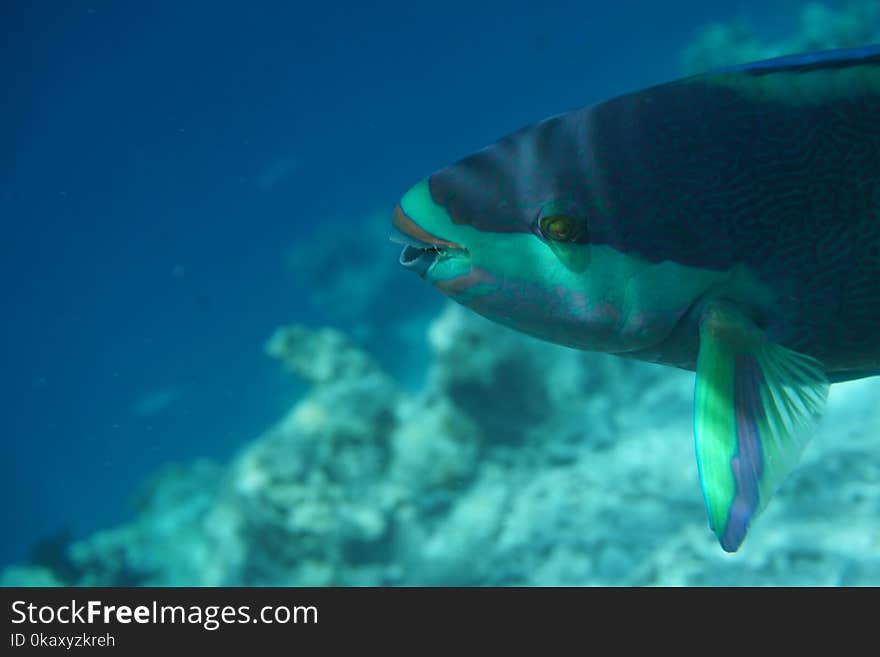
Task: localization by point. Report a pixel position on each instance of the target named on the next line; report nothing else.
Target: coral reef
(518, 462)
(821, 28)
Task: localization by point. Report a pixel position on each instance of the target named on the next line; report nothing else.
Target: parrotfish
(726, 223)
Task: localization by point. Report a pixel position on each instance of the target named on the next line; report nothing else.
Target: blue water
(159, 160)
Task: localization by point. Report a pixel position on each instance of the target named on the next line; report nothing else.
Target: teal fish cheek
(574, 257)
(447, 269)
(521, 282)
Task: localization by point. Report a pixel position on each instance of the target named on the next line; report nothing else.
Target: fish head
(508, 236)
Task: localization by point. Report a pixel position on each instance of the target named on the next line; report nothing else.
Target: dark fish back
(774, 167)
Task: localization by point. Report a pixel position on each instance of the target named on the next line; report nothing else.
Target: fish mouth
(420, 249)
(418, 259)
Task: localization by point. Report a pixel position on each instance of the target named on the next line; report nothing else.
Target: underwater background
(216, 373)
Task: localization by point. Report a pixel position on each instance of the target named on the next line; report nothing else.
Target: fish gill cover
(463, 453)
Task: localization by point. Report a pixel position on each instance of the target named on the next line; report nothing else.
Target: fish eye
(560, 227)
(560, 220)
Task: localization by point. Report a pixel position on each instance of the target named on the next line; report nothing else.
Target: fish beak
(420, 249)
(418, 259)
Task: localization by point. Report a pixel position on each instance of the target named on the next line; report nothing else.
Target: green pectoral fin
(756, 404)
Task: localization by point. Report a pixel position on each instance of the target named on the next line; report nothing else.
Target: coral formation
(821, 28)
(519, 462)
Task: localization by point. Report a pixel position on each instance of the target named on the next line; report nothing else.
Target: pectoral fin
(756, 404)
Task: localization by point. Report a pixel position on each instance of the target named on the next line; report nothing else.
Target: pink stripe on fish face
(406, 225)
(460, 284)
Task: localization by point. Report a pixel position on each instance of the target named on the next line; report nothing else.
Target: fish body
(727, 223)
